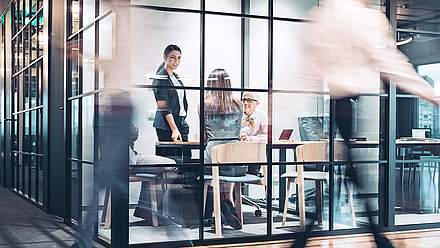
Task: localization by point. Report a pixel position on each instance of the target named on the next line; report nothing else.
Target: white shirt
(349, 43)
(259, 132)
(181, 95)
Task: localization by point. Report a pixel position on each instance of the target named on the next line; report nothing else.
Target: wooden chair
(240, 152)
(311, 152)
(141, 177)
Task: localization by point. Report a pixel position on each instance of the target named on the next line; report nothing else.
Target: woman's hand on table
(176, 136)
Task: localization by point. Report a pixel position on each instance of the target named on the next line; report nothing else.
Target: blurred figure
(113, 128)
(345, 46)
(223, 113)
(254, 124)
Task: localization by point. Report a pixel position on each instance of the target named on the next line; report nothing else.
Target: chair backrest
(312, 152)
(319, 151)
(239, 152)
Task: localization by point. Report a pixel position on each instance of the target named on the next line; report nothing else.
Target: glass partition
(262, 55)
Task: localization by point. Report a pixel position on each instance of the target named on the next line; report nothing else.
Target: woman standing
(223, 113)
(172, 105)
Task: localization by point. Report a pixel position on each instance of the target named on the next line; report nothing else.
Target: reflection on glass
(20, 52)
(223, 36)
(88, 9)
(33, 131)
(232, 6)
(15, 55)
(26, 133)
(74, 67)
(34, 7)
(75, 181)
(41, 38)
(417, 186)
(87, 183)
(190, 4)
(25, 171)
(26, 53)
(75, 152)
(257, 7)
(26, 89)
(16, 17)
(75, 16)
(33, 176)
(34, 85)
(145, 62)
(87, 112)
(40, 82)
(27, 12)
(293, 9)
(88, 62)
(256, 75)
(106, 38)
(19, 15)
(288, 46)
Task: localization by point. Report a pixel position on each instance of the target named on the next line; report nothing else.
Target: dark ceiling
(419, 14)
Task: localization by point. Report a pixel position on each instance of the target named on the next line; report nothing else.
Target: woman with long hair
(223, 113)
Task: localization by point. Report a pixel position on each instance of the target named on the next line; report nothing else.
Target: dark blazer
(171, 98)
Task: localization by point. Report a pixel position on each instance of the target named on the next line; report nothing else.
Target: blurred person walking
(347, 44)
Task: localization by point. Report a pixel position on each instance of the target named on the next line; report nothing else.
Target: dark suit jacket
(171, 98)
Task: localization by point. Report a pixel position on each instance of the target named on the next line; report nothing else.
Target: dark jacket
(171, 98)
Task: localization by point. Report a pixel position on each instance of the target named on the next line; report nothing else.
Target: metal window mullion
(22, 128)
(389, 184)
(68, 112)
(201, 117)
(95, 120)
(333, 131)
(270, 118)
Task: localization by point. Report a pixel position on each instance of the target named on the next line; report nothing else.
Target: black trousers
(344, 121)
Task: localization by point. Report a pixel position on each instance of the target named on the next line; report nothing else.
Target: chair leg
(238, 201)
(154, 219)
(318, 185)
(301, 200)
(352, 212)
(285, 202)
(104, 209)
(108, 214)
(216, 195)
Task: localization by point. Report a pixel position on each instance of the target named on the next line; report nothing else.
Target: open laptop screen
(286, 133)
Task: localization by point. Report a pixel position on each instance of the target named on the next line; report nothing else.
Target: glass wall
(245, 55)
(417, 177)
(25, 34)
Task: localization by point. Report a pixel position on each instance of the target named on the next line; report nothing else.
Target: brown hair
(219, 101)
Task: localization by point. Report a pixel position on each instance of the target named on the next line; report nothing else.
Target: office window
(25, 97)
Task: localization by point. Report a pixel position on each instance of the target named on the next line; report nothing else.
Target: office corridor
(24, 225)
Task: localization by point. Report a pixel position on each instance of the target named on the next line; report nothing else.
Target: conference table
(282, 146)
(432, 145)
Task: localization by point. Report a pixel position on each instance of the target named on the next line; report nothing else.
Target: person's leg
(142, 209)
(227, 190)
(227, 206)
(344, 119)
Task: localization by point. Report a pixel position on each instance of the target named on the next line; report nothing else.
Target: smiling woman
(172, 105)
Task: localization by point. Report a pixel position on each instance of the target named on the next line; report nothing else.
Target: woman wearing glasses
(172, 105)
(223, 113)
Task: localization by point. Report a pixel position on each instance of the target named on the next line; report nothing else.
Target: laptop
(286, 133)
